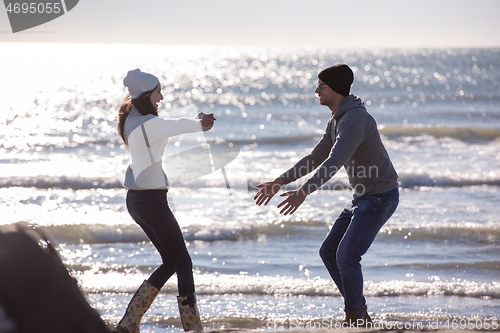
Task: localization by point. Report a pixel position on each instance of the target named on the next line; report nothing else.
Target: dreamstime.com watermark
(455, 324)
(27, 14)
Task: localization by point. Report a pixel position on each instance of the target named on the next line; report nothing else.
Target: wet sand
(363, 330)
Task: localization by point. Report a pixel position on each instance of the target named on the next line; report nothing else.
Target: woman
(146, 135)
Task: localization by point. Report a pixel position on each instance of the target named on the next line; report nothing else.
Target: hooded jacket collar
(348, 103)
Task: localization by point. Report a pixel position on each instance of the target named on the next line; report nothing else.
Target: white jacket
(147, 137)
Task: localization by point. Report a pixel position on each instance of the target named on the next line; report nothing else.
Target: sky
(329, 23)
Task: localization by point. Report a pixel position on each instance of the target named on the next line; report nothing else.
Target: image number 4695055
(26, 14)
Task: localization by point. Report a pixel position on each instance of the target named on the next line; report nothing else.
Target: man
(351, 140)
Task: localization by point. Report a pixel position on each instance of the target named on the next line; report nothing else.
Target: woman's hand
(207, 121)
(267, 191)
(294, 200)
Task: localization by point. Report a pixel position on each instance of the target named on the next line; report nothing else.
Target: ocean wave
(408, 178)
(418, 178)
(278, 135)
(61, 182)
(414, 178)
(461, 133)
(231, 284)
(491, 265)
(131, 233)
(393, 132)
(465, 233)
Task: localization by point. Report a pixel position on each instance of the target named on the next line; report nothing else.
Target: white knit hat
(138, 82)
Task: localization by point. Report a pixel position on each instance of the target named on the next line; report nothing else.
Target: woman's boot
(188, 310)
(140, 303)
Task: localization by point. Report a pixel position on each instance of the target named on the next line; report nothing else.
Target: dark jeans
(150, 210)
(350, 237)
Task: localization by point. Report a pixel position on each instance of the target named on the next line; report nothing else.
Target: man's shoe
(355, 320)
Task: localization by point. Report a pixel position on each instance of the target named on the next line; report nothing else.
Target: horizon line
(492, 46)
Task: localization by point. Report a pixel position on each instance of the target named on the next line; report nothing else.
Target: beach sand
(325, 327)
(322, 326)
(361, 330)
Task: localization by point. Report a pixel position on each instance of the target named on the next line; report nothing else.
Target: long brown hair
(142, 104)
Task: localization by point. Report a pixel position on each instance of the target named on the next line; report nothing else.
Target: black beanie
(338, 77)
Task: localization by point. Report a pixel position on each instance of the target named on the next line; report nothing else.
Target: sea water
(438, 110)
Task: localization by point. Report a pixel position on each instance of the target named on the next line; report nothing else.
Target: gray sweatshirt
(351, 140)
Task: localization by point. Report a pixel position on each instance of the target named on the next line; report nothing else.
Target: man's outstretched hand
(267, 191)
(294, 200)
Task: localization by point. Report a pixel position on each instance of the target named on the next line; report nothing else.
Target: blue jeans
(352, 234)
(150, 210)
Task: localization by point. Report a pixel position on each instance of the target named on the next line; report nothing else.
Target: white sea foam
(220, 284)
